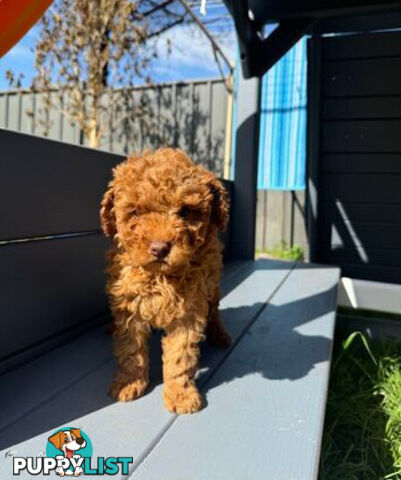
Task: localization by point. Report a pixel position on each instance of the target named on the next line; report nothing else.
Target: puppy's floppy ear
(220, 207)
(107, 215)
(76, 432)
(57, 439)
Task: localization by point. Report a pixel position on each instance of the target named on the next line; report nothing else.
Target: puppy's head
(161, 208)
(68, 441)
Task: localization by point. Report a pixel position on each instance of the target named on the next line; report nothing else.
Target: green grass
(362, 435)
(283, 252)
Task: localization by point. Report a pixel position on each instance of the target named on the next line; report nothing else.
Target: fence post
(6, 110)
(33, 125)
(175, 121)
(229, 127)
(209, 123)
(61, 117)
(191, 109)
(19, 110)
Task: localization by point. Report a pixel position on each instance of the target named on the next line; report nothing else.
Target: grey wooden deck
(265, 395)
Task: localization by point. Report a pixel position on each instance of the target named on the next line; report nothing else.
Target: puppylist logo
(69, 452)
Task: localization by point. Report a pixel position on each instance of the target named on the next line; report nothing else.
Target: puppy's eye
(72, 437)
(66, 439)
(184, 212)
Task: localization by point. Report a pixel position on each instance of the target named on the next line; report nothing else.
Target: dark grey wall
(358, 154)
(52, 253)
(245, 168)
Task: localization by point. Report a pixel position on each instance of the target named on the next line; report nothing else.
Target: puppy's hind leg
(131, 352)
(215, 331)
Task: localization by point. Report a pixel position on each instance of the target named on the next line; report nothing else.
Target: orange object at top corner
(16, 18)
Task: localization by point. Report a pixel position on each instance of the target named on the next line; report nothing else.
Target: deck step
(266, 403)
(265, 395)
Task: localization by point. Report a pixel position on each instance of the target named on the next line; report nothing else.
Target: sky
(191, 56)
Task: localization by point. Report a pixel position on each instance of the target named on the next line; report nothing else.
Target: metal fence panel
(280, 219)
(190, 115)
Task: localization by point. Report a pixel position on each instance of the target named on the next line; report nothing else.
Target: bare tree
(89, 55)
(86, 49)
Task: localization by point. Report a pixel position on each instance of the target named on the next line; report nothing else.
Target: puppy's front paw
(124, 389)
(182, 399)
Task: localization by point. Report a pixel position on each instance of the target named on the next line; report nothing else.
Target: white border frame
(369, 295)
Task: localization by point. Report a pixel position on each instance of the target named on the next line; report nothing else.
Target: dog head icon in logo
(68, 441)
(69, 446)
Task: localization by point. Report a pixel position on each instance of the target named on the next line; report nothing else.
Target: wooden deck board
(266, 403)
(34, 383)
(53, 398)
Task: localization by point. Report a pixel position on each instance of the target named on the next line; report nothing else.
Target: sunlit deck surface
(265, 396)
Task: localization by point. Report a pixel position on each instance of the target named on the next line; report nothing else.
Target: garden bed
(362, 433)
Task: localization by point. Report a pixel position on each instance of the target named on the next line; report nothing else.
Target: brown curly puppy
(163, 212)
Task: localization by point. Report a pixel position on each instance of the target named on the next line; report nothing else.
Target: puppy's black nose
(160, 250)
(80, 441)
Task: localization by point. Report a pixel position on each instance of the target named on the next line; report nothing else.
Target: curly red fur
(163, 196)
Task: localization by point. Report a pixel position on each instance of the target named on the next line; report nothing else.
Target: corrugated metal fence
(191, 115)
(280, 219)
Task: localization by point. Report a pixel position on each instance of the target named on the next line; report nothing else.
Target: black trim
(313, 143)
